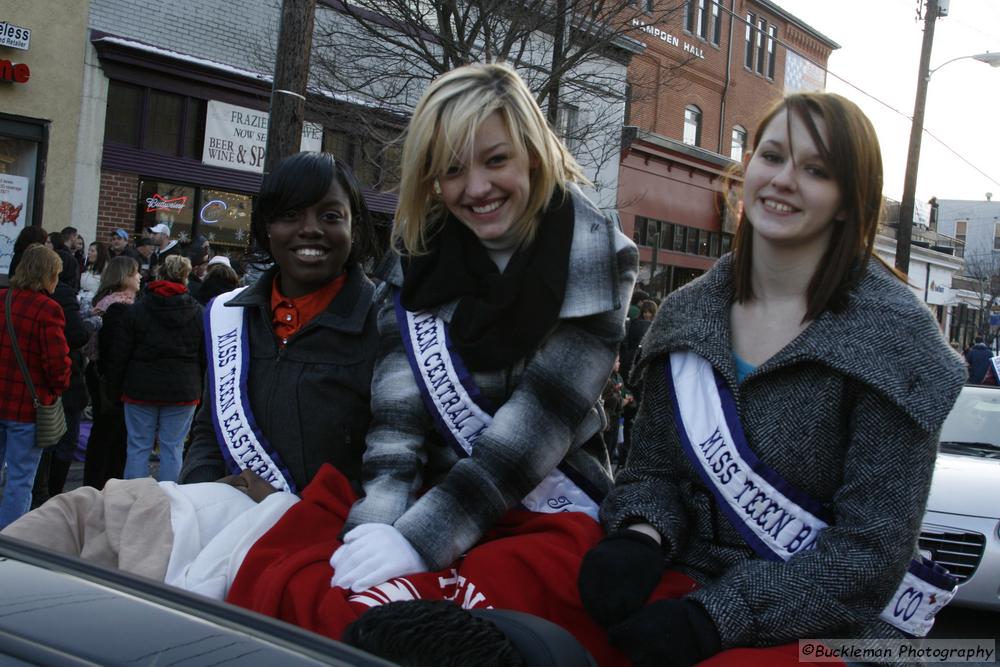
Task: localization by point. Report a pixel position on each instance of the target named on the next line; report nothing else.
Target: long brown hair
(854, 159)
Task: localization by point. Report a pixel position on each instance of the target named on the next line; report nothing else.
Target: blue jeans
(144, 423)
(17, 449)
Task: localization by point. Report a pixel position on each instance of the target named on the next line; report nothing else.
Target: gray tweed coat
(849, 412)
(548, 410)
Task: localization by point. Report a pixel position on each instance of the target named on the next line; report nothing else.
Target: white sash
(996, 368)
(462, 414)
(776, 519)
(243, 445)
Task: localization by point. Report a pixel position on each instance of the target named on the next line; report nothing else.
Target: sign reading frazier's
(14, 36)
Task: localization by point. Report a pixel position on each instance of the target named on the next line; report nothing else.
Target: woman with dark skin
(310, 330)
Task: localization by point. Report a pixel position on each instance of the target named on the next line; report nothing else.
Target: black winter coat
(310, 398)
(159, 350)
(77, 334)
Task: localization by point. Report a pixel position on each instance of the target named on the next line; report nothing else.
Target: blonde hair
(175, 268)
(38, 268)
(442, 131)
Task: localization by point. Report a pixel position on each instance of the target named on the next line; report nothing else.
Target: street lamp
(990, 58)
(904, 231)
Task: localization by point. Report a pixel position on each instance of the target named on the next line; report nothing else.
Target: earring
(437, 187)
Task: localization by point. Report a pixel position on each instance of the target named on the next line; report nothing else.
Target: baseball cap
(121, 233)
(220, 259)
(158, 229)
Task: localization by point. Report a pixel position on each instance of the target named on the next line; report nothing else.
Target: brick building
(695, 95)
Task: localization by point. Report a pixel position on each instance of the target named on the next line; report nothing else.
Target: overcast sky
(880, 44)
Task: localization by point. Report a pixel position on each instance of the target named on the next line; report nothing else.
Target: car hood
(966, 485)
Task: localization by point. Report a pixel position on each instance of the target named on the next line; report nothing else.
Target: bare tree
(377, 56)
(984, 271)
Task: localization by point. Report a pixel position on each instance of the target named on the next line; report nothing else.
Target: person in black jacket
(157, 370)
(310, 330)
(978, 357)
(54, 466)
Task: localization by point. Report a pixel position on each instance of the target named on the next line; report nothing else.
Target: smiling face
(789, 194)
(117, 243)
(311, 245)
(488, 189)
(91, 254)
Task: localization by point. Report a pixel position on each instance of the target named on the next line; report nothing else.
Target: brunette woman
(106, 445)
(157, 369)
(783, 451)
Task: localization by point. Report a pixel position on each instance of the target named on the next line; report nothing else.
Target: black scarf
(500, 317)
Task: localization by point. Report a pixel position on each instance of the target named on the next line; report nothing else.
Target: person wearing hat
(165, 246)
(118, 246)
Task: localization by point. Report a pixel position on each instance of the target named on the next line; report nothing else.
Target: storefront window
(121, 124)
(221, 217)
(167, 203)
(224, 218)
(18, 165)
(163, 122)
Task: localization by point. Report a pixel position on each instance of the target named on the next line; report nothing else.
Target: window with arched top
(692, 125)
(739, 143)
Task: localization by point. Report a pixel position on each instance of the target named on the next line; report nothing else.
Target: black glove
(617, 575)
(670, 633)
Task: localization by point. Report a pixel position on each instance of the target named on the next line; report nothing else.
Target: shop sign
(669, 38)
(236, 137)
(13, 205)
(157, 202)
(14, 36)
(14, 72)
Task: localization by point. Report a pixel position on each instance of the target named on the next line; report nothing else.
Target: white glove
(373, 553)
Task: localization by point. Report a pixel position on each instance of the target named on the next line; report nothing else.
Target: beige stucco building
(42, 46)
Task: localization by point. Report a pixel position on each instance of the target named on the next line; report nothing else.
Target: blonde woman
(501, 254)
(156, 369)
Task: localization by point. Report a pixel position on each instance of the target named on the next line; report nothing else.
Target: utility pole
(558, 47)
(291, 74)
(904, 232)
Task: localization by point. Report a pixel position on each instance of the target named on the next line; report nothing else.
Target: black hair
(431, 633)
(298, 182)
(30, 234)
(56, 239)
(67, 233)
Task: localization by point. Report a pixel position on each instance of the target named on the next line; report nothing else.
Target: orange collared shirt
(289, 315)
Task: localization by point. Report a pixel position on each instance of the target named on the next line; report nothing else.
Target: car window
(975, 419)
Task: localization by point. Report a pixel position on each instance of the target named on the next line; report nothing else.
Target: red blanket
(529, 562)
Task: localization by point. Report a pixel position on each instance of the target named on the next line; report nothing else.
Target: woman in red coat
(38, 323)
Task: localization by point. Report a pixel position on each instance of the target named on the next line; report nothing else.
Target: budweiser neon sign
(156, 202)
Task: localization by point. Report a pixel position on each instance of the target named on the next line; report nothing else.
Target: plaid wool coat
(849, 412)
(548, 409)
(39, 324)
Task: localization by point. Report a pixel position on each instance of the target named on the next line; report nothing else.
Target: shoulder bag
(50, 420)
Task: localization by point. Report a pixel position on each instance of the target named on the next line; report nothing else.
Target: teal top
(743, 369)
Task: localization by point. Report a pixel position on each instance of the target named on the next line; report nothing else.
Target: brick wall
(116, 203)
(667, 78)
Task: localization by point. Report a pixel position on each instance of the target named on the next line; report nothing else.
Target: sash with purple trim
(461, 413)
(996, 369)
(775, 518)
(243, 445)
